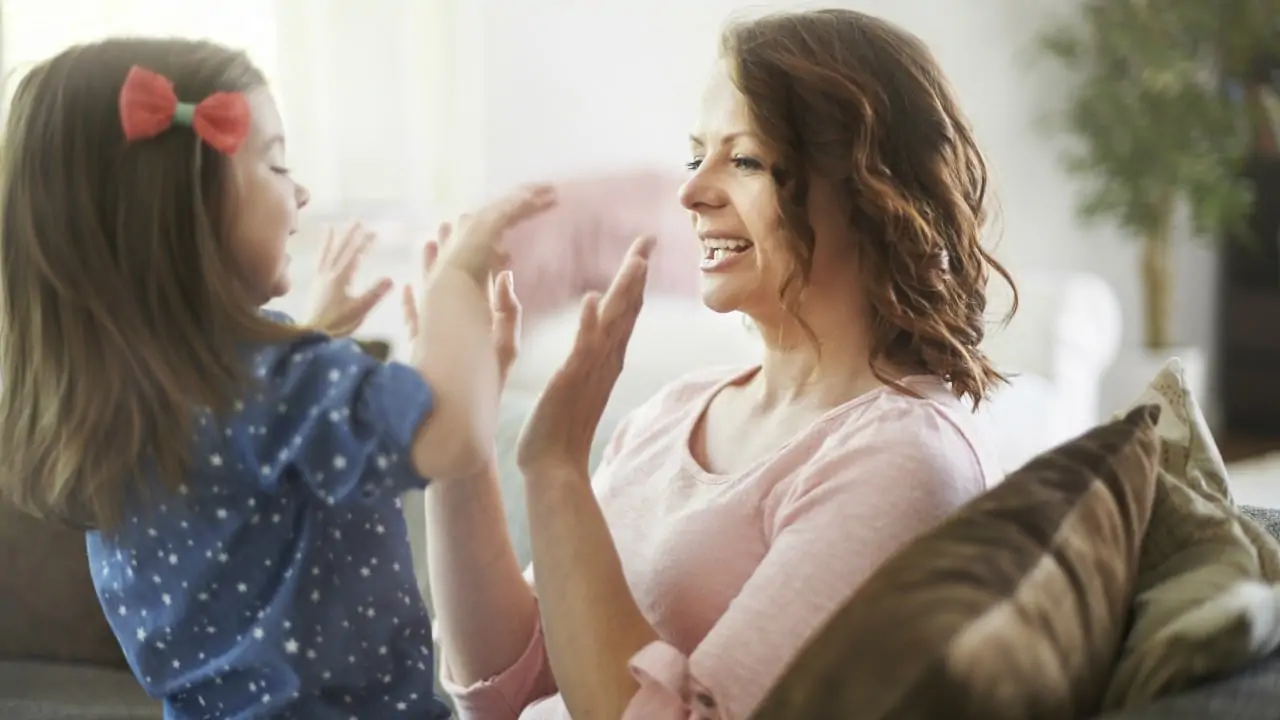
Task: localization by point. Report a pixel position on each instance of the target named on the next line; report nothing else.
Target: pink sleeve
(857, 503)
(506, 695)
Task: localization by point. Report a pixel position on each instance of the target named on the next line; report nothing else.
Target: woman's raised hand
(559, 431)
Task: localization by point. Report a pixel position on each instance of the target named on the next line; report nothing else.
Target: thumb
(505, 301)
(410, 306)
(366, 301)
(506, 320)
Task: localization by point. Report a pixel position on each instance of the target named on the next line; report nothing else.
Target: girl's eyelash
(693, 164)
(280, 170)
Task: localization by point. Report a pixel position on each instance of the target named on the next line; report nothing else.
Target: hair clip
(148, 107)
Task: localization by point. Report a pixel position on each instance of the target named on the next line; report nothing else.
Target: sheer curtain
(379, 105)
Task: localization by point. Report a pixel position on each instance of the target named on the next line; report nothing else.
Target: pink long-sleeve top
(735, 572)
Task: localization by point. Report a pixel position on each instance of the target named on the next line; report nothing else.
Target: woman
(839, 198)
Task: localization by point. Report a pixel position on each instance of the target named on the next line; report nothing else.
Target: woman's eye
(743, 162)
(693, 164)
(279, 170)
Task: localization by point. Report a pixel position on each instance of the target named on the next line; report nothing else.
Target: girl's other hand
(336, 310)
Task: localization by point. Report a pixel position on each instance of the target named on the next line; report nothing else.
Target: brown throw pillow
(48, 607)
(1013, 608)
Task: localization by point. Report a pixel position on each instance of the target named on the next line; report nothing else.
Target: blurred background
(1132, 147)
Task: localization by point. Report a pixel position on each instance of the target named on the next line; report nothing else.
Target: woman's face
(734, 203)
(733, 199)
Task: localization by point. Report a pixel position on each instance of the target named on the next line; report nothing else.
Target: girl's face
(267, 200)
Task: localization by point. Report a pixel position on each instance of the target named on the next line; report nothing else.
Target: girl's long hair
(120, 311)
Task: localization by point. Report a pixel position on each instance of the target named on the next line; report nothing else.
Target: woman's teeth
(718, 249)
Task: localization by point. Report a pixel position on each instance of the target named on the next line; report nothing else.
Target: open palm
(336, 309)
(504, 305)
(563, 424)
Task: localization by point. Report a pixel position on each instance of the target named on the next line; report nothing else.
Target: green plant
(1151, 124)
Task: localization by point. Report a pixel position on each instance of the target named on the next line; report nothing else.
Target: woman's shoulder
(929, 424)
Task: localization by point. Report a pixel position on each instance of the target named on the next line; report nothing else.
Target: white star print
(291, 646)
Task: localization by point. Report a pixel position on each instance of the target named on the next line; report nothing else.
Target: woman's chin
(719, 298)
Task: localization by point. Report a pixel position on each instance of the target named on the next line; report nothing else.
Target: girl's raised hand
(337, 310)
(503, 303)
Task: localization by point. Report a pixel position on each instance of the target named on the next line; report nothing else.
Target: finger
(366, 301)
(588, 320)
(326, 250)
(522, 204)
(445, 231)
(353, 249)
(626, 293)
(409, 305)
(506, 320)
(505, 302)
(430, 253)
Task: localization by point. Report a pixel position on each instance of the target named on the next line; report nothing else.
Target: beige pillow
(1207, 601)
(1012, 608)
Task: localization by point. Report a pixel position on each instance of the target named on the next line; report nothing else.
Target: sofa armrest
(1068, 331)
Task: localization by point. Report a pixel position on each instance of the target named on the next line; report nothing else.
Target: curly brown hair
(853, 100)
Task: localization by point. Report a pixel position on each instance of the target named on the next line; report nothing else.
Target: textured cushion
(48, 607)
(1013, 608)
(1207, 596)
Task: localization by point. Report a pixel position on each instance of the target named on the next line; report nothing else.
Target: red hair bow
(148, 107)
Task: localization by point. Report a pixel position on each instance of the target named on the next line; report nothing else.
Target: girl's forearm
(455, 354)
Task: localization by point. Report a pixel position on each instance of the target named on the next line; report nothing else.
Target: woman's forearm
(590, 619)
(486, 612)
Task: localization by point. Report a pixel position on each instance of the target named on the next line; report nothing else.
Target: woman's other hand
(503, 302)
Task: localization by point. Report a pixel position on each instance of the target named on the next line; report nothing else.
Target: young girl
(239, 477)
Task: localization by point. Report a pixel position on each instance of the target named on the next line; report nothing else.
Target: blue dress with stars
(278, 581)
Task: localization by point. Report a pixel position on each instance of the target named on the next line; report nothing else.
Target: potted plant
(1153, 126)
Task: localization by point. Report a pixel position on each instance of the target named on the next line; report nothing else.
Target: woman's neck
(794, 371)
